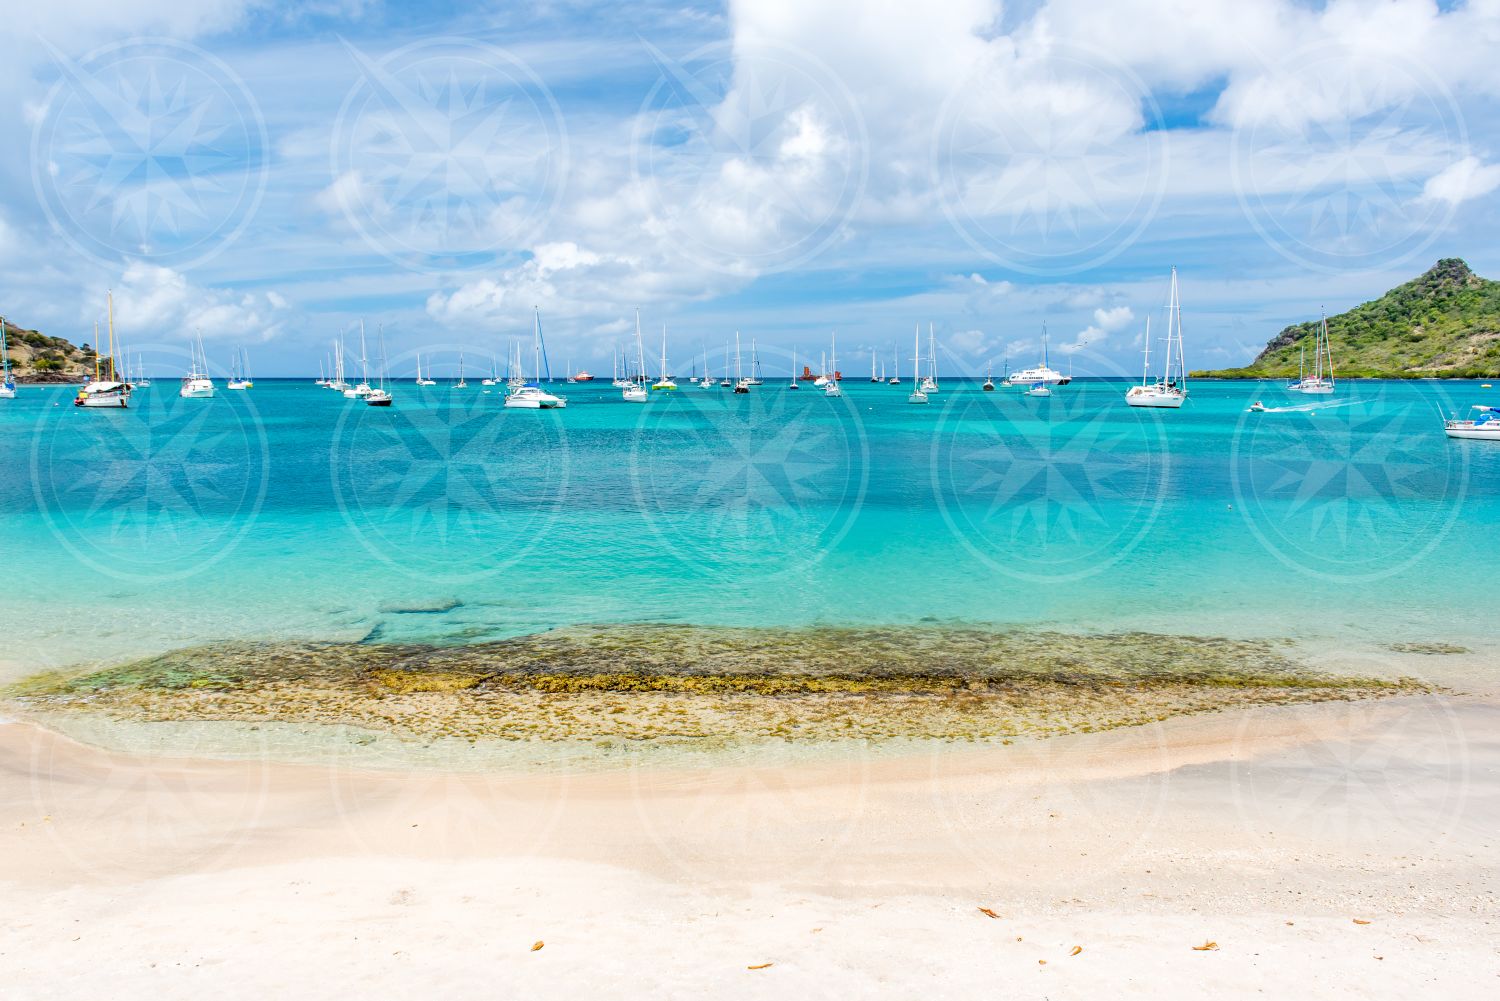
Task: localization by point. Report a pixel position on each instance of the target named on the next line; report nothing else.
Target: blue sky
(272, 174)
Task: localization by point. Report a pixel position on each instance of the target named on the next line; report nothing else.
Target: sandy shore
(1268, 831)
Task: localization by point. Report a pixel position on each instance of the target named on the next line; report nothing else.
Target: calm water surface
(288, 511)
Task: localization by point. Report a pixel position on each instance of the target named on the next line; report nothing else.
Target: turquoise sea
(287, 511)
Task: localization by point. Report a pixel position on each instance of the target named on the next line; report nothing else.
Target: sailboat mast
(109, 301)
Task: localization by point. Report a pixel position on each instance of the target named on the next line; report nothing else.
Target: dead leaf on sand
(1207, 947)
(1076, 950)
(537, 945)
(761, 966)
(1360, 921)
(988, 913)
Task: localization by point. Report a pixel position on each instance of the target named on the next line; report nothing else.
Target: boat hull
(1485, 432)
(1159, 401)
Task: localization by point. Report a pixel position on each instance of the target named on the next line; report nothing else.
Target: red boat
(583, 377)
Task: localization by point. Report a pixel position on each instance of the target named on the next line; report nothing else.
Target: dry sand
(1267, 831)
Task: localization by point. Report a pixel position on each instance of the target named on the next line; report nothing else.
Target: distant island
(1442, 325)
(35, 357)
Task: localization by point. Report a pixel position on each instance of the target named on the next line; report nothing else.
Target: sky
(272, 174)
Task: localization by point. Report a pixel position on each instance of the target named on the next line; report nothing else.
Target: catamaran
(1042, 373)
(1485, 426)
(196, 385)
(1170, 390)
(7, 384)
(1320, 383)
(530, 395)
(110, 392)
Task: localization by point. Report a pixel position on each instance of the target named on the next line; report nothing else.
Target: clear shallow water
(288, 511)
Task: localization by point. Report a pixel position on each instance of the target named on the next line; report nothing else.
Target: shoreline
(1266, 830)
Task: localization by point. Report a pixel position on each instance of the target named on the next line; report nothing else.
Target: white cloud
(159, 302)
(1106, 323)
(1461, 181)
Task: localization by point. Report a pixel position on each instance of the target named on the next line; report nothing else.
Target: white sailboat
(930, 384)
(363, 387)
(708, 376)
(895, 379)
(873, 376)
(831, 388)
(916, 395)
(337, 383)
(741, 384)
(1485, 426)
(196, 385)
(530, 395)
(635, 386)
(1320, 383)
(421, 379)
(7, 384)
(108, 392)
(665, 381)
(793, 383)
(380, 397)
(755, 377)
(1169, 391)
(460, 384)
(239, 371)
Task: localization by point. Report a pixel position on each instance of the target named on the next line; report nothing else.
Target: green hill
(36, 357)
(1445, 324)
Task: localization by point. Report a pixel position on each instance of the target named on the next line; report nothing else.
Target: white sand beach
(1337, 850)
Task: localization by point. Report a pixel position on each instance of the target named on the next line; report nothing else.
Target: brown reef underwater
(708, 687)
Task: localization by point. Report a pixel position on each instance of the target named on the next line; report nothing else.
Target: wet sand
(1266, 830)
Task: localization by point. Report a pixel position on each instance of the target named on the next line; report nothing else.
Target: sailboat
(362, 388)
(831, 387)
(380, 397)
(708, 376)
(337, 383)
(873, 376)
(635, 385)
(1320, 383)
(141, 380)
(424, 380)
(665, 382)
(741, 384)
(917, 395)
(196, 385)
(989, 380)
(755, 379)
(1170, 391)
(930, 383)
(530, 395)
(109, 392)
(239, 377)
(7, 384)
(493, 379)
(793, 383)
(1005, 379)
(895, 379)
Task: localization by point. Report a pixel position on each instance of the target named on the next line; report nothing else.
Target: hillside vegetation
(1444, 324)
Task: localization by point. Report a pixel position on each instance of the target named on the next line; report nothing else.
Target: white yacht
(530, 395)
(917, 395)
(239, 371)
(423, 380)
(1169, 391)
(1485, 426)
(634, 386)
(196, 385)
(665, 382)
(1042, 373)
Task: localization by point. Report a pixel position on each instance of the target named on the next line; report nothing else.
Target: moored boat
(1484, 427)
(1169, 391)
